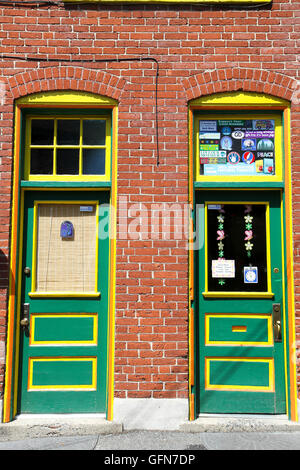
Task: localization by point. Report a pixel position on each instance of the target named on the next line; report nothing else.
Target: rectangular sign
(223, 268)
(237, 147)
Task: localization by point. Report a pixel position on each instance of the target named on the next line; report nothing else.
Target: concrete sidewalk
(158, 441)
(149, 425)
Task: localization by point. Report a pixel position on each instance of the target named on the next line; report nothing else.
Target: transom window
(68, 148)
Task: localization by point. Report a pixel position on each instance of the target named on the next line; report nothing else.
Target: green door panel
(63, 359)
(239, 366)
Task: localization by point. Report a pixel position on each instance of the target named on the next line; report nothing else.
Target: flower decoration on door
(248, 236)
(220, 238)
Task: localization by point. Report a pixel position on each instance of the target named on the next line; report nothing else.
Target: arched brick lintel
(228, 80)
(66, 78)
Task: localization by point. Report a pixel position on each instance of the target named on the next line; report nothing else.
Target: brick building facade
(151, 61)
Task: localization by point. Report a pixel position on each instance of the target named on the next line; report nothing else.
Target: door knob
(27, 271)
(24, 322)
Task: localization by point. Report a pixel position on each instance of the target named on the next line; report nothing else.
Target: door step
(240, 423)
(41, 425)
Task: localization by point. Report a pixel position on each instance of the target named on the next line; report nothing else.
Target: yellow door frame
(250, 102)
(57, 99)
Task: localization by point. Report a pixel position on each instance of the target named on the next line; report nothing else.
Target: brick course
(200, 50)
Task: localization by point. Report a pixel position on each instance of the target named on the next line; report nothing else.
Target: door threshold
(283, 417)
(240, 423)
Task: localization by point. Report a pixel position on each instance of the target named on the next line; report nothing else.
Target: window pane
(41, 161)
(236, 235)
(93, 161)
(67, 161)
(42, 131)
(94, 132)
(68, 131)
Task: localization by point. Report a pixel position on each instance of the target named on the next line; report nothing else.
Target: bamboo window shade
(66, 264)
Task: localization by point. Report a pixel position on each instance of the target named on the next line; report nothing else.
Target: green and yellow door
(240, 285)
(64, 302)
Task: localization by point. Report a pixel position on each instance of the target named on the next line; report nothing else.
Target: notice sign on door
(223, 268)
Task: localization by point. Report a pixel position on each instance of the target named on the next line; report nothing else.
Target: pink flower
(249, 235)
(221, 234)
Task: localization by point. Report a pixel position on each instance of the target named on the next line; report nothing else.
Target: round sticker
(238, 134)
(226, 130)
(233, 158)
(248, 157)
(251, 276)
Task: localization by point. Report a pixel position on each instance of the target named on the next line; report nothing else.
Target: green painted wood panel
(62, 373)
(59, 328)
(238, 329)
(239, 373)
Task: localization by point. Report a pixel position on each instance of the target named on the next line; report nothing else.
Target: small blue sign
(67, 230)
(250, 275)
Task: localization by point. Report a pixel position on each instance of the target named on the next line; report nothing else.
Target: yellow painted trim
(191, 274)
(34, 292)
(12, 315)
(235, 101)
(261, 179)
(238, 99)
(241, 294)
(34, 316)
(290, 268)
(66, 99)
(243, 388)
(80, 147)
(268, 249)
(63, 294)
(237, 328)
(112, 269)
(36, 388)
(285, 360)
(18, 303)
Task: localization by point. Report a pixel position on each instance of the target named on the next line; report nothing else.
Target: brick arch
(66, 78)
(228, 80)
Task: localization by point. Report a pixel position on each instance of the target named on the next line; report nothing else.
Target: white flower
(248, 246)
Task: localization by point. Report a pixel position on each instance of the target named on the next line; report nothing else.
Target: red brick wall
(200, 50)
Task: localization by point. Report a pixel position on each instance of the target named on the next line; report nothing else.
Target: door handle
(25, 316)
(276, 312)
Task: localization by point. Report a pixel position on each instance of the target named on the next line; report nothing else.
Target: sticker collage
(237, 147)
